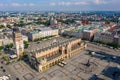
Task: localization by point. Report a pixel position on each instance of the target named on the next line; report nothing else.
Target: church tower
(53, 21)
(18, 41)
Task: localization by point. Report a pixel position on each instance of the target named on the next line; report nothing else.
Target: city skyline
(59, 5)
(59, 40)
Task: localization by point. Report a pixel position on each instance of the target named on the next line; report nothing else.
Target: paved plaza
(75, 69)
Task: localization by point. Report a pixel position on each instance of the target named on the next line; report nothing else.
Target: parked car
(63, 62)
(60, 64)
(113, 57)
(103, 57)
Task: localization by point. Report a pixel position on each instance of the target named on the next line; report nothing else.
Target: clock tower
(18, 41)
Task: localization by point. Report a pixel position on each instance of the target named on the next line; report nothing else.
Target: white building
(42, 32)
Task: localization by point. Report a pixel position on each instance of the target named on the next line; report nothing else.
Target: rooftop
(34, 31)
(40, 29)
(88, 31)
(48, 44)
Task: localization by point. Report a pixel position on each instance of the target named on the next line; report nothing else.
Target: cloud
(21, 5)
(52, 4)
(78, 2)
(24, 4)
(17, 5)
(100, 1)
(63, 3)
(81, 3)
(31, 4)
(96, 1)
(1, 4)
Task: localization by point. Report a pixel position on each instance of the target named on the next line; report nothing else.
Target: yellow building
(53, 51)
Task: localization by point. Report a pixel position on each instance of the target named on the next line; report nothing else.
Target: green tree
(21, 23)
(9, 26)
(10, 45)
(2, 26)
(26, 44)
(1, 47)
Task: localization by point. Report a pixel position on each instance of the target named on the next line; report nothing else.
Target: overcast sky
(59, 5)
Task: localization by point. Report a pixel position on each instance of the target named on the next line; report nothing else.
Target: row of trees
(66, 35)
(40, 39)
(47, 23)
(68, 21)
(8, 26)
(109, 44)
(20, 24)
(26, 44)
(7, 46)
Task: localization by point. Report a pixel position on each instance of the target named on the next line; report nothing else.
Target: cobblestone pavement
(75, 69)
